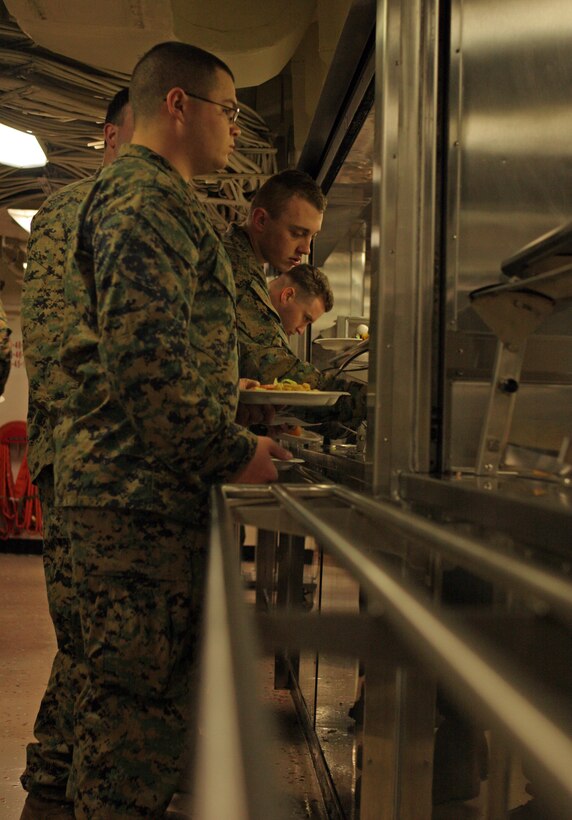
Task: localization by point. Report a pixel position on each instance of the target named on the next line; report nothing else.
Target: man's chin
(280, 267)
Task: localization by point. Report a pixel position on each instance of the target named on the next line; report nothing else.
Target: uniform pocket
(136, 632)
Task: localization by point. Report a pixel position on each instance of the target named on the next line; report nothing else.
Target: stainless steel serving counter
(534, 514)
(507, 663)
(339, 467)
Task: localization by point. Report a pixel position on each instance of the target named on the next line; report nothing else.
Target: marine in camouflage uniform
(5, 349)
(264, 351)
(150, 335)
(48, 760)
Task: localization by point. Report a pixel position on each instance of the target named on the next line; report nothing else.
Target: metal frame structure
(446, 200)
(403, 242)
(409, 642)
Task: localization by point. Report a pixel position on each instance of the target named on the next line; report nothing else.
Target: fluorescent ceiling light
(23, 217)
(19, 149)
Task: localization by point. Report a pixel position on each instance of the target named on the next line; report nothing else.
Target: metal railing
(233, 776)
(470, 667)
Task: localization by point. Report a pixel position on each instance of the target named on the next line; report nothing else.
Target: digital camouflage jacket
(264, 351)
(42, 314)
(150, 338)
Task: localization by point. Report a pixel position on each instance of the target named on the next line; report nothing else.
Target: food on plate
(292, 393)
(287, 384)
(299, 436)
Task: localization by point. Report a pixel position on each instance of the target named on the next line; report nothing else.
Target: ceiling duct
(255, 39)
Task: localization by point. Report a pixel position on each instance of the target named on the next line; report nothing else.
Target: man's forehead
(224, 86)
(301, 211)
(313, 306)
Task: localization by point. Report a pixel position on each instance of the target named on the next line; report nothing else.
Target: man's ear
(110, 134)
(287, 294)
(259, 219)
(174, 100)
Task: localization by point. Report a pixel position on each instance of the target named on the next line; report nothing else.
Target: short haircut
(116, 108)
(168, 65)
(312, 282)
(277, 190)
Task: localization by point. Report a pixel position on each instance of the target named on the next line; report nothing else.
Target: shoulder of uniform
(68, 196)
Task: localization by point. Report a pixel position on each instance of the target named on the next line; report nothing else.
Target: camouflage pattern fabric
(264, 351)
(150, 335)
(42, 310)
(139, 581)
(48, 760)
(5, 350)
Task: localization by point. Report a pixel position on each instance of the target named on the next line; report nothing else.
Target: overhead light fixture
(23, 217)
(20, 149)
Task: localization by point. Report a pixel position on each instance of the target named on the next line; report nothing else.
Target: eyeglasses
(230, 111)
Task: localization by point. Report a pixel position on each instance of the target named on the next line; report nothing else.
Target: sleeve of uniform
(34, 275)
(263, 354)
(270, 362)
(163, 349)
(5, 349)
(40, 311)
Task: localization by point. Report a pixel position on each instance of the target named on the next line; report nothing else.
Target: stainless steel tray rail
(233, 777)
(524, 577)
(418, 634)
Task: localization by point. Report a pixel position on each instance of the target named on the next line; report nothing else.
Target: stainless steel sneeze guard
(415, 630)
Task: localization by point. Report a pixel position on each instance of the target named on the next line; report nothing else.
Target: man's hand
(249, 414)
(260, 469)
(247, 384)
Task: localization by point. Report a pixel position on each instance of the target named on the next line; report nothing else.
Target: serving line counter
(327, 464)
(506, 665)
(452, 595)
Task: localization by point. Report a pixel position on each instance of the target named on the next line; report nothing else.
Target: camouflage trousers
(138, 582)
(48, 760)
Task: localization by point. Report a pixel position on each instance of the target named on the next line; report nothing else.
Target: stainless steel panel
(542, 417)
(402, 240)
(510, 121)
(547, 358)
(509, 179)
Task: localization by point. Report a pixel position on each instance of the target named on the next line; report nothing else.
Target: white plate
(286, 463)
(305, 437)
(337, 342)
(294, 398)
(292, 421)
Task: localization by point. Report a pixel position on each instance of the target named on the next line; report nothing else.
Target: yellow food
(285, 384)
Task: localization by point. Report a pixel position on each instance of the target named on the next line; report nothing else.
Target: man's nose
(234, 129)
(304, 245)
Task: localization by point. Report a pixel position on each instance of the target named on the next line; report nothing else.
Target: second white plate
(305, 437)
(337, 342)
(294, 398)
(286, 463)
